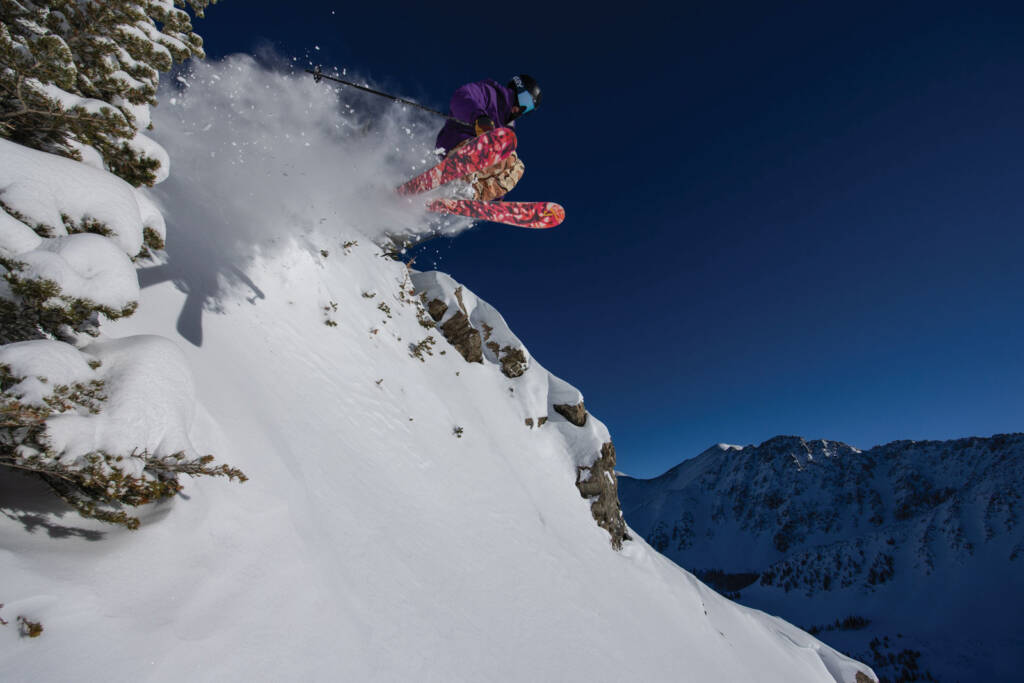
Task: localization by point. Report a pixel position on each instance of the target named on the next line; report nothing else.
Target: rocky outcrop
(576, 414)
(458, 331)
(513, 362)
(599, 485)
(463, 337)
(481, 335)
(437, 308)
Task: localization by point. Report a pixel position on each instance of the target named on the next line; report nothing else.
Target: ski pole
(318, 74)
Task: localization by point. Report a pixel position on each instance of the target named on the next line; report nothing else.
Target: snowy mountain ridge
(820, 531)
(808, 489)
(424, 500)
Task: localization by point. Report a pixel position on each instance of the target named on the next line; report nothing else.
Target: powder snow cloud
(262, 155)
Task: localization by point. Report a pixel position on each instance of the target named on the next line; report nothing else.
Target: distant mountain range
(908, 556)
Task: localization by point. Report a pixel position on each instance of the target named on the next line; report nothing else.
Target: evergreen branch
(5, 462)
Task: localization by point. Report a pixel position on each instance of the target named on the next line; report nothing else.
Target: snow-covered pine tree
(80, 74)
(77, 78)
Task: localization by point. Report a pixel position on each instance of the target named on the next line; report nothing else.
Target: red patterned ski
(521, 214)
(482, 151)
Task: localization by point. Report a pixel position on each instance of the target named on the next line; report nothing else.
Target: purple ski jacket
(470, 102)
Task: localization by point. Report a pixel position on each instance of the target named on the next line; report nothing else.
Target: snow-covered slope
(413, 512)
(920, 541)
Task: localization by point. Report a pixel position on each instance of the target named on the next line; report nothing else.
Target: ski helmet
(527, 92)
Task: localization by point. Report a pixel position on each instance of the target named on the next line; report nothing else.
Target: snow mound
(149, 396)
(150, 403)
(86, 267)
(43, 364)
(15, 236)
(44, 188)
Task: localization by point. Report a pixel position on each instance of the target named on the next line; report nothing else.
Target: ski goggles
(525, 100)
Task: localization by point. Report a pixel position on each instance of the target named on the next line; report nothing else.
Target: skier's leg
(498, 180)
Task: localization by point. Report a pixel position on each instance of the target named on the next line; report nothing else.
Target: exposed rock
(457, 330)
(437, 308)
(576, 414)
(513, 362)
(458, 297)
(463, 337)
(529, 422)
(599, 485)
(541, 421)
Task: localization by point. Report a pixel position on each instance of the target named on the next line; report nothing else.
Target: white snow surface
(86, 266)
(375, 540)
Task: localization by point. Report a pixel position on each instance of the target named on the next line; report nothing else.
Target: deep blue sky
(795, 219)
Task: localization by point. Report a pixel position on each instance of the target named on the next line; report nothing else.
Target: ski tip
(537, 215)
(553, 215)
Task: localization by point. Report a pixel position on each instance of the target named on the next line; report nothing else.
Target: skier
(483, 112)
(483, 105)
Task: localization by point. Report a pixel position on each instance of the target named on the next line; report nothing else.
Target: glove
(482, 125)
